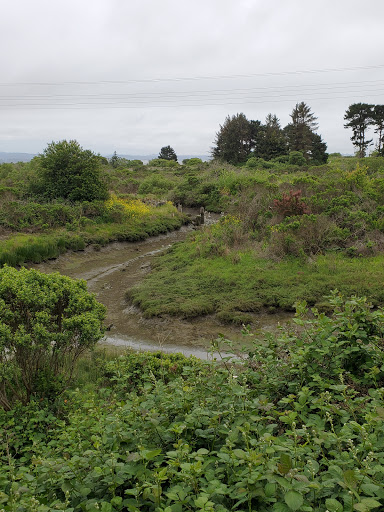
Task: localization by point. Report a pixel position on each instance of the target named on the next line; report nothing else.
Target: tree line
(240, 139)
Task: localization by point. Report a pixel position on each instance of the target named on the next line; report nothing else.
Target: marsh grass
(186, 285)
(20, 248)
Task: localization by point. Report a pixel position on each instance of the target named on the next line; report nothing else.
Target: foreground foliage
(295, 426)
(46, 323)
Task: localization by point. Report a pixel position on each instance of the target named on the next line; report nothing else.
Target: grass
(20, 248)
(186, 285)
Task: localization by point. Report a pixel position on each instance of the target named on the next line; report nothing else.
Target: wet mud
(114, 269)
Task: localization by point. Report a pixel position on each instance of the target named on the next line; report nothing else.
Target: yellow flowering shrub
(131, 208)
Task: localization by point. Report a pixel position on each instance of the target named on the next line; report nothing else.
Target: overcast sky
(134, 75)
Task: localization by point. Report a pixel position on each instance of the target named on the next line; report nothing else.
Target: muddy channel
(114, 269)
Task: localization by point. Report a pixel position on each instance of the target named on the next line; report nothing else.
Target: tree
(236, 139)
(272, 143)
(167, 153)
(299, 131)
(70, 172)
(46, 323)
(114, 160)
(319, 153)
(378, 122)
(359, 117)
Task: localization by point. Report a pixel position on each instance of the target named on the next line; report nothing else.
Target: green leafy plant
(262, 432)
(46, 323)
(70, 172)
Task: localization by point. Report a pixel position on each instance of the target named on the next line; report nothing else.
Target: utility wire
(122, 105)
(140, 95)
(196, 78)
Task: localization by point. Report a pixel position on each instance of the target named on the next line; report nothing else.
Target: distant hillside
(147, 158)
(26, 157)
(15, 157)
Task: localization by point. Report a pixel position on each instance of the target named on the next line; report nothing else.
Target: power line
(196, 78)
(150, 95)
(95, 106)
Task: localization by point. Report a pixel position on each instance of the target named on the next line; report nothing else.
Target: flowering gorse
(131, 207)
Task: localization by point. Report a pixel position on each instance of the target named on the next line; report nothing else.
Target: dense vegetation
(69, 198)
(305, 230)
(293, 233)
(294, 426)
(293, 422)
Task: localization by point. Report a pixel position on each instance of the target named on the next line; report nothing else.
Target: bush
(296, 158)
(291, 204)
(46, 323)
(282, 159)
(192, 161)
(259, 163)
(155, 185)
(348, 343)
(162, 162)
(135, 370)
(70, 172)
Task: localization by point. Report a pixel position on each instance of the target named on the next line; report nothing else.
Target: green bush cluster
(294, 425)
(156, 185)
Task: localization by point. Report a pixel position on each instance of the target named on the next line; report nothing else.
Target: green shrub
(293, 424)
(296, 158)
(192, 161)
(134, 370)
(161, 162)
(156, 185)
(69, 172)
(46, 323)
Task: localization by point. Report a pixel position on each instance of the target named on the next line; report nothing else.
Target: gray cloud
(89, 42)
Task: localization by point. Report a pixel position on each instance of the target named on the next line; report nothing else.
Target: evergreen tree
(299, 131)
(236, 139)
(272, 143)
(359, 117)
(167, 153)
(319, 153)
(378, 121)
(114, 160)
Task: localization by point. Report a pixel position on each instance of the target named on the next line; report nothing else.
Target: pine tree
(167, 153)
(114, 160)
(273, 142)
(299, 131)
(359, 117)
(378, 121)
(319, 153)
(236, 139)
